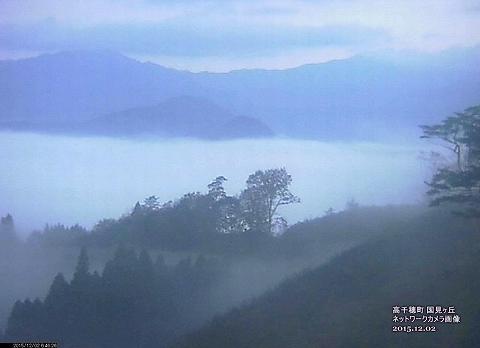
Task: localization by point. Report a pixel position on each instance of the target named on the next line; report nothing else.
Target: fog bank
(50, 179)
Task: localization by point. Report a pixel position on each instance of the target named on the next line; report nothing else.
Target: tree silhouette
(266, 191)
(7, 230)
(81, 274)
(215, 188)
(137, 209)
(458, 184)
(151, 203)
(59, 291)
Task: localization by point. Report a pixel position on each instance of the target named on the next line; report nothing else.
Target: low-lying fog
(50, 179)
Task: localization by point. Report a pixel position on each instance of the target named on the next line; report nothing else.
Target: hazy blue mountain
(355, 98)
(178, 117)
(79, 85)
(360, 97)
(243, 126)
(183, 116)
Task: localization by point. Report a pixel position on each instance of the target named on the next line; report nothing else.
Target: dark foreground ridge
(348, 302)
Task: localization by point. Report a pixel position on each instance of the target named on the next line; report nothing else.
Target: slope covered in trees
(208, 222)
(159, 301)
(348, 302)
(428, 261)
(133, 302)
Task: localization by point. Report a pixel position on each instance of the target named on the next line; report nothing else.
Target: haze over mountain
(348, 301)
(356, 98)
(177, 117)
(82, 85)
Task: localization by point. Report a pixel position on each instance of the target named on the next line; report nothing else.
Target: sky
(219, 35)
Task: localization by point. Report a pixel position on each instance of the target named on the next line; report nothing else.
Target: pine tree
(58, 293)
(458, 184)
(81, 275)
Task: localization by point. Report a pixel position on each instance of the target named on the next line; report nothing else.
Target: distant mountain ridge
(81, 85)
(355, 98)
(178, 117)
(181, 117)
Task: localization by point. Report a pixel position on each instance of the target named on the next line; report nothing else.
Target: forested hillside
(160, 298)
(349, 301)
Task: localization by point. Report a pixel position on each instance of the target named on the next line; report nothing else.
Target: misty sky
(223, 35)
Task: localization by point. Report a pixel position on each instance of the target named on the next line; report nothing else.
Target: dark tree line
(135, 302)
(59, 235)
(209, 222)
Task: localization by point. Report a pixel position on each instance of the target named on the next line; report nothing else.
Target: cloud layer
(231, 34)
